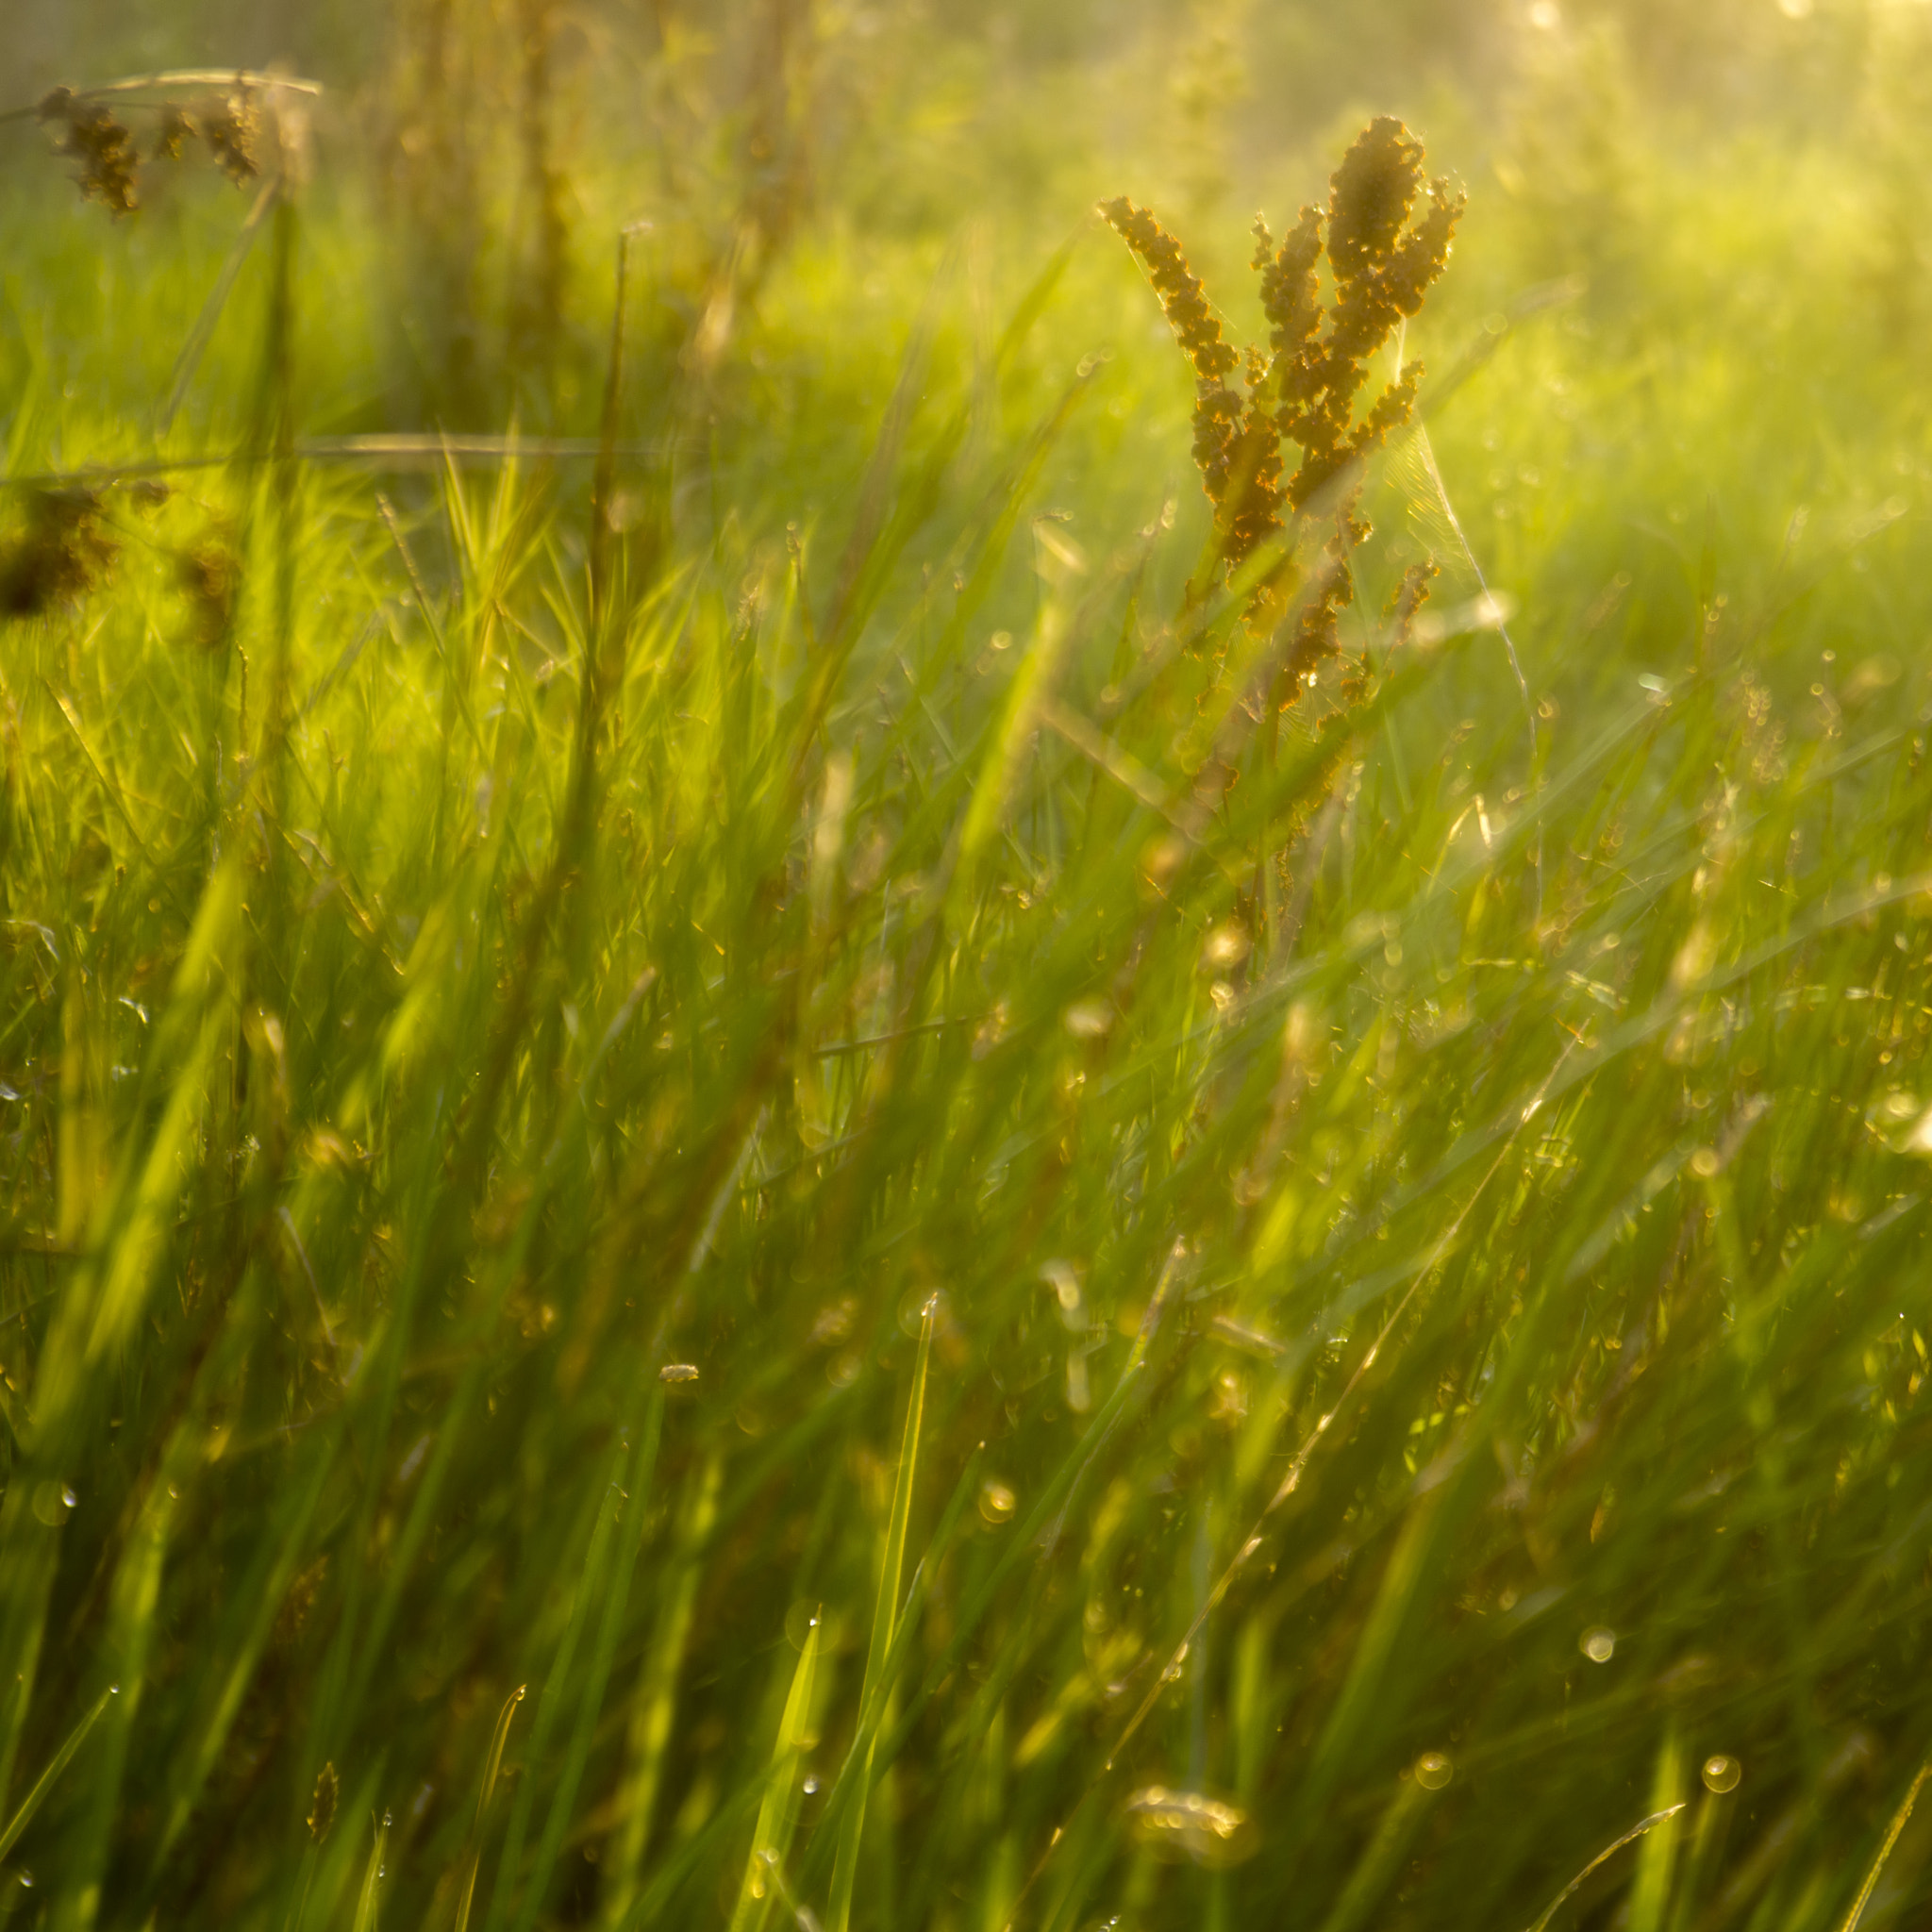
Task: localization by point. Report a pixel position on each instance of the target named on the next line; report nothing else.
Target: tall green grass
(486, 940)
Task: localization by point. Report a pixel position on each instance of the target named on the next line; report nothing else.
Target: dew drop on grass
(1720, 1773)
(52, 1501)
(1599, 1645)
(1433, 1770)
(1088, 1019)
(1191, 1823)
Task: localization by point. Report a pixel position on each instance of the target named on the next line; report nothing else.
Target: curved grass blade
(1897, 1825)
(491, 1765)
(59, 1761)
(1602, 1857)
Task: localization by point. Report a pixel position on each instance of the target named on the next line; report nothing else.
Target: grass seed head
(61, 551)
(208, 574)
(176, 130)
(231, 128)
(322, 1809)
(1217, 407)
(108, 163)
(1305, 388)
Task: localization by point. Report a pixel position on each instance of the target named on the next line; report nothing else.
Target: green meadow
(781, 1147)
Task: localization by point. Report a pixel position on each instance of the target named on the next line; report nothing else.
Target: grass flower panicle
(240, 126)
(61, 550)
(101, 145)
(1307, 388)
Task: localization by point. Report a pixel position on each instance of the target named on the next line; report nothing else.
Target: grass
(684, 1244)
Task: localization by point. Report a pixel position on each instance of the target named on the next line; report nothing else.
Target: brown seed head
(1369, 198)
(322, 1809)
(232, 130)
(1308, 389)
(1409, 597)
(176, 128)
(59, 552)
(206, 574)
(108, 168)
(1217, 407)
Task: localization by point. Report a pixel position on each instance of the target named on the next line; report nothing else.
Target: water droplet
(1433, 1770)
(1204, 1829)
(52, 1501)
(1720, 1773)
(996, 1501)
(1088, 1019)
(1598, 1645)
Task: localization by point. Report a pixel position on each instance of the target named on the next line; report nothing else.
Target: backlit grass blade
(1656, 1858)
(874, 1713)
(626, 1510)
(770, 1837)
(587, 1597)
(657, 1694)
(1602, 1857)
(372, 1874)
(24, 1814)
(1376, 1870)
(1849, 1923)
(493, 1764)
(852, 1828)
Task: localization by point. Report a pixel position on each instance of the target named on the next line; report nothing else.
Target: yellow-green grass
(440, 998)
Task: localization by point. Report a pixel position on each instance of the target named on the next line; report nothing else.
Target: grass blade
(778, 1810)
(657, 1694)
(1602, 1857)
(23, 1816)
(372, 1874)
(1851, 1918)
(616, 1593)
(846, 1866)
(491, 1765)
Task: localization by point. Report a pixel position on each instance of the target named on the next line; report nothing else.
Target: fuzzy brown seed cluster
(108, 164)
(108, 158)
(1217, 408)
(63, 548)
(231, 130)
(322, 1809)
(1305, 388)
